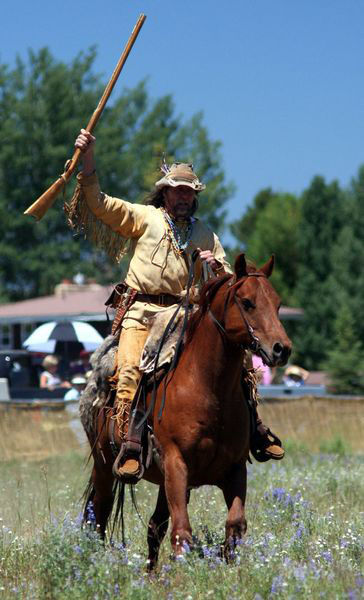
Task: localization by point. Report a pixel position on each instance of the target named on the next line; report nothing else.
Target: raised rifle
(45, 201)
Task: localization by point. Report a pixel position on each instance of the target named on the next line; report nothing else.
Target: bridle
(254, 345)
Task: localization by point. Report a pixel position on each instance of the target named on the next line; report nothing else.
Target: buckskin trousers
(130, 349)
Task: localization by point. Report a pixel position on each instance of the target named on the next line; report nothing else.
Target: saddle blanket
(103, 360)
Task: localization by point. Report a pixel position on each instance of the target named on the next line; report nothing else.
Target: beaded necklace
(178, 233)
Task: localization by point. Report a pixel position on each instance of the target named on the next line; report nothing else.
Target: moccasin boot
(274, 451)
(265, 445)
(127, 464)
(129, 467)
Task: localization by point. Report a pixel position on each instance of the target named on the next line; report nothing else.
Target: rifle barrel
(45, 201)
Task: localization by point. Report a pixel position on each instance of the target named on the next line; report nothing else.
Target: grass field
(305, 520)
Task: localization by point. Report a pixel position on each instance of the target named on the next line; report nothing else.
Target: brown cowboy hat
(180, 174)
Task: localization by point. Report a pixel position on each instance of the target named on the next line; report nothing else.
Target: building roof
(70, 301)
(77, 302)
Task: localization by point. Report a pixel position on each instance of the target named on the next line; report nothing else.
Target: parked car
(19, 368)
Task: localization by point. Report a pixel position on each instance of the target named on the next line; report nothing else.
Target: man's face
(178, 201)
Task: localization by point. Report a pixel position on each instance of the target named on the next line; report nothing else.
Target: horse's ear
(267, 269)
(240, 266)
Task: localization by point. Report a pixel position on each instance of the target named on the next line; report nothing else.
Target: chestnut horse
(203, 435)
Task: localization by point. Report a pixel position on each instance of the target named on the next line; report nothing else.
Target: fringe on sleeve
(82, 221)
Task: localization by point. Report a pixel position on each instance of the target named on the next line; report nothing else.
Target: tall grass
(304, 539)
(312, 422)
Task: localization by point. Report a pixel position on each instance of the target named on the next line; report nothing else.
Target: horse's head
(249, 308)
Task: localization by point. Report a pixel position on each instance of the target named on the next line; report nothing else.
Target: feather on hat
(180, 174)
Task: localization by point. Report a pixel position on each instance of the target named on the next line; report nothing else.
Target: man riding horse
(160, 238)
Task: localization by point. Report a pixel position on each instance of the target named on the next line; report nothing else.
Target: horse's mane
(208, 292)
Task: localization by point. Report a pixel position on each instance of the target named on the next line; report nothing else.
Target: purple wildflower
(277, 584)
(79, 519)
(299, 532)
(166, 568)
(279, 494)
(90, 515)
(206, 551)
(326, 554)
(284, 497)
(299, 573)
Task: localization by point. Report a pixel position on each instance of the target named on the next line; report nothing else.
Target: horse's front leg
(176, 475)
(234, 490)
(157, 528)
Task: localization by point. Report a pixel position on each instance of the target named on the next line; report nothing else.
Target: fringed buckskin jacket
(140, 231)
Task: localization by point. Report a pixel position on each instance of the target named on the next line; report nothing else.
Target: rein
(255, 344)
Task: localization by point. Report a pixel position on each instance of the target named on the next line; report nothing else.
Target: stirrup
(261, 442)
(129, 450)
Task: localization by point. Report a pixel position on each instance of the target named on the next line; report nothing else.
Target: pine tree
(270, 226)
(321, 223)
(345, 363)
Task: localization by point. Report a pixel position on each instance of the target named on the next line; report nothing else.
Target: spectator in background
(264, 370)
(82, 365)
(78, 383)
(71, 399)
(50, 378)
(295, 376)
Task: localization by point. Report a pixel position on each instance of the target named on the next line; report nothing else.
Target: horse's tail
(118, 517)
(119, 499)
(118, 494)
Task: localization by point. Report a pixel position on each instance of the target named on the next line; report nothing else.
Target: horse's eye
(247, 303)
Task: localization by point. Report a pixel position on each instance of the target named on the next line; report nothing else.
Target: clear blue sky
(280, 83)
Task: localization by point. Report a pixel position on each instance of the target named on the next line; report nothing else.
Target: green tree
(322, 218)
(244, 227)
(271, 227)
(345, 362)
(43, 104)
(348, 258)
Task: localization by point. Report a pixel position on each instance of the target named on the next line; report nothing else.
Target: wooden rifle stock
(45, 201)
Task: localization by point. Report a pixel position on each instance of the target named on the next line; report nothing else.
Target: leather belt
(161, 299)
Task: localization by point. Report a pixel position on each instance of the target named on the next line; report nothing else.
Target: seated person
(295, 376)
(78, 383)
(49, 378)
(82, 365)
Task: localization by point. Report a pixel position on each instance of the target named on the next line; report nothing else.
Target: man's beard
(184, 213)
